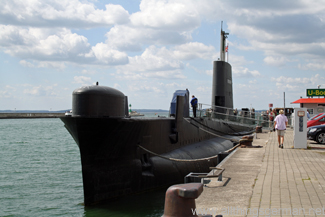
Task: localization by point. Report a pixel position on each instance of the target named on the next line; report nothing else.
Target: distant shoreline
(17, 115)
(63, 111)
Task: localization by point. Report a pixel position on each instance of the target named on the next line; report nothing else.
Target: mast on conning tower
(222, 80)
(223, 38)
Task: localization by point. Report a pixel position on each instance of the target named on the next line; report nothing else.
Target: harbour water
(40, 175)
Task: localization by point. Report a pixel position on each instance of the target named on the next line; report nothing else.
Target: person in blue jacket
(194, 105)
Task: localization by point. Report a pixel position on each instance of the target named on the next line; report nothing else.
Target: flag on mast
(227, 52)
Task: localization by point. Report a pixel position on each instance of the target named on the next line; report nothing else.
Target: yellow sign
(315, 92)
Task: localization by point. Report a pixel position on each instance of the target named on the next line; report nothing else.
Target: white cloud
(116, 86)
(313, 66)
(174, 74)
(49, 64)
(158, 22)
(82, 80)
(209, 72)
(42, 64)
(26, 64)
(288, 87)
(131, 38)
(145, 88)
(283, 79)
(154, 59)
(57, 13)
(171, 15)
(318, 80)
(194, 50)
(239, 69)
(298, 84)
(173, 85)
(153, 63)
(282, 30)
(7, 92)
(238, 60)
(245, 72)
(275, 61)
(251, 32)
(164, 63)
(203, 90)
(305, 50)
(255, 10)
(88, 72)
(40, 90)
(104, 54)
(49, 46)
(154, 44)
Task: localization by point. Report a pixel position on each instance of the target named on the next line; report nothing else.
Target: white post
(300, 128)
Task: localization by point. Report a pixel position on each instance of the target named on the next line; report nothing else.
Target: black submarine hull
(114, 165)
(119, 153)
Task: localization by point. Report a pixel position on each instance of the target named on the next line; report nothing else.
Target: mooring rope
(232, 140)
(178, 160)
(233, 148)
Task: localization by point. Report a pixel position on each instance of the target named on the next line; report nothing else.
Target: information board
(315, 92)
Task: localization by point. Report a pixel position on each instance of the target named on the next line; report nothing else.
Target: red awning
(310, 100)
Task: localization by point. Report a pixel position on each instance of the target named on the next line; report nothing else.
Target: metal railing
(243, 117)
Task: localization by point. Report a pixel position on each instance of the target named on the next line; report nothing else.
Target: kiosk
(300, 128)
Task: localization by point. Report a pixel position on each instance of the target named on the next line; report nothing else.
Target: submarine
(122, 155)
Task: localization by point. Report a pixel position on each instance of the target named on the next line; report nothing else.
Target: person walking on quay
(194, 105)
(274, 112)
(270, 117)
(280, 124)
(235, 112)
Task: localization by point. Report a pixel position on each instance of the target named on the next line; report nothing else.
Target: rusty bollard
(258, 129)
(180, 199)
(246, 141)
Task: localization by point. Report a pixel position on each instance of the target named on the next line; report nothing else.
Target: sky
(148, 49)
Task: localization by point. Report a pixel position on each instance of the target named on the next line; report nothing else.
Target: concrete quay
(269, 181)
(30, 115)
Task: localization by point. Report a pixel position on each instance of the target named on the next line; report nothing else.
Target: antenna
(223, 38)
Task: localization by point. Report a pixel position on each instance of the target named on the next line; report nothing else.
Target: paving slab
(269, 181)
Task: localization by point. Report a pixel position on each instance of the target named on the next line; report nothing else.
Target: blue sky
(148, 49)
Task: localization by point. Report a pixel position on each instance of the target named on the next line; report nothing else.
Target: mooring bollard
(258, 129)
(180, 199)
(246, 141)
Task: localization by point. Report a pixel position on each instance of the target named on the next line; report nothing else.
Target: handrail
(245, 118)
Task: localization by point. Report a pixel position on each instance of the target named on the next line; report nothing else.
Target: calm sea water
(40, 175)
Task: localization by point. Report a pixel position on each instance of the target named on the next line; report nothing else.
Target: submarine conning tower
(222, 78)
(98, 101)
